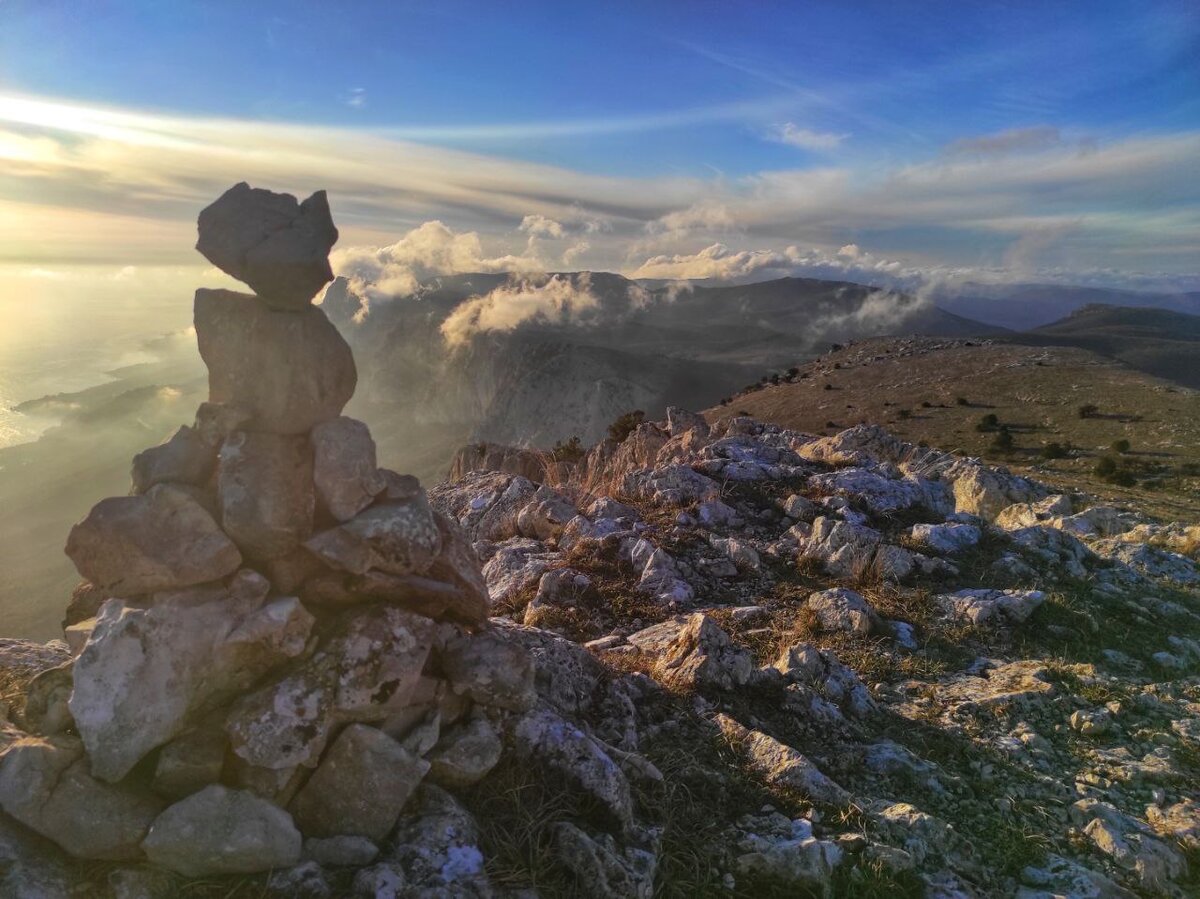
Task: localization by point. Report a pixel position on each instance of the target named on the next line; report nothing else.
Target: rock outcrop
(276, 640)
(719, 657)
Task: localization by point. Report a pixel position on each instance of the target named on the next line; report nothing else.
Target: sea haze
(67, 328)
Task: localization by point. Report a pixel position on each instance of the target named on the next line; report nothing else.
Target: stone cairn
(276, 641)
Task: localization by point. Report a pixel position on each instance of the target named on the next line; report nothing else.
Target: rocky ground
(942, 391)
(698, 659)
(891, 669)
(768, 663)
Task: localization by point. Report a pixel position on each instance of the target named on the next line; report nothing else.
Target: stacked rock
(276, 641)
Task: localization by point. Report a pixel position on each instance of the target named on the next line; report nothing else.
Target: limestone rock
(486, 504)
(490, 669)
(183, 459)
(950, 537)
(545, 516)
(216, 421)
(1023, 515)
(694, 653)
(162, 540)
(394, 537)
(265, 490)
(223, 831)
(1180, 822)
(46, 711)
(782, 765)
(544, 738)
(368, 668)
(31, 867)
(986, 492)
(465, 754)
(787, 852)
(457, 564)
(360, 786)
(146, 673)
(344, 467)
(602, 869)
(45, 784)
(984, 605)
(289, 371)
(436, 845)
(304, 881)
(342, 850)
(846, 549)
(190, 762)
(271, 242)
(820, 670)
(85, 602)
(841, 609)
(559, 588)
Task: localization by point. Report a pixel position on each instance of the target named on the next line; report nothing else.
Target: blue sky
(1048, 136)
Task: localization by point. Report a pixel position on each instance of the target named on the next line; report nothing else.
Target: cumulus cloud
(720, 263)
(704, 216)
(559, 299)
(541, 226)
(432, 249)
(716, 262)
(574, 251)
(805, 138)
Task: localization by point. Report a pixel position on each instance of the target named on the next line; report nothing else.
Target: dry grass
(1036, 391)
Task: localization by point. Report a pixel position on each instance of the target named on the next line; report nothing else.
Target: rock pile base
(278, 647)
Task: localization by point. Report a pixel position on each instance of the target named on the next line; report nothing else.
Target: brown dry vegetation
(1035, 391)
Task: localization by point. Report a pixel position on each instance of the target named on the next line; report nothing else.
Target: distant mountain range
(1159, 342)
(638, 348)
(1021, 307)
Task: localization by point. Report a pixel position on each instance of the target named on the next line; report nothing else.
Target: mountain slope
(1030, 306)
(1160, 342)
(543, 381)
(914, 387)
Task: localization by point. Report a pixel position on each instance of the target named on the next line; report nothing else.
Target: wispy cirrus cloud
(1039, 137)
(86, 183)
(805, 138)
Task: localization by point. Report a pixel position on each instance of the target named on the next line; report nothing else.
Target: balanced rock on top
(271, 242)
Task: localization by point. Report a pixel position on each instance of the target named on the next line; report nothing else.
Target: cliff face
(639, 348)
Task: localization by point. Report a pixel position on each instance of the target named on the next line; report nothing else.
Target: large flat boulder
(273, 243)
(45, 784)
(360, 787)
(265, 492)
(161, 540)
(147, 673)
(289, 370)
(223, 831)
(395, 537)
(367, 669)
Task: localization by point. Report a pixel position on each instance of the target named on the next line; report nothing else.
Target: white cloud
(805, 138)
(1014, 140)
(356, 98)
(559, 299)
(541, 226)
(397, 270)
(574, 251)
(120, 187)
